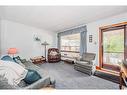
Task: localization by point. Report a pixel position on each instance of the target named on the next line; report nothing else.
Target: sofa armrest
(39, 84)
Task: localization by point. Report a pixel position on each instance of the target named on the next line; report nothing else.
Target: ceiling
(58, 18)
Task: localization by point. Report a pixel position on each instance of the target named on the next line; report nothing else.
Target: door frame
(107, 28)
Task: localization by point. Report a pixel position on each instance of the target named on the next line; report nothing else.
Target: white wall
(0, 36)
(93, 29)
(21, 36)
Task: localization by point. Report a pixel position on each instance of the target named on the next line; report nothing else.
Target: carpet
(68, 78)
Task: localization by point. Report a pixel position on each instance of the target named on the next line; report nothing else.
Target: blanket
(12, 71)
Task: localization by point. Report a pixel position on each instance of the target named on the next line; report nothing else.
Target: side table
(123, 76)
(38, 59)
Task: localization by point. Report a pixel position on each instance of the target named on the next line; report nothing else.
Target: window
(70, 45)
(113, 48)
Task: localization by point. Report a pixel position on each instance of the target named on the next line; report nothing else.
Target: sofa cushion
(32, 76)
(53, 53)
(88, 57)
(43, 82)
(82, 62)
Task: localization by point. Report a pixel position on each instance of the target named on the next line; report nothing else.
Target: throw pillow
(16, 60)
(53, 53)
(7, 58)
(19, 61)
(32, 76)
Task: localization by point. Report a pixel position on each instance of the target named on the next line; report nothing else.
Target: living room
(29, 32)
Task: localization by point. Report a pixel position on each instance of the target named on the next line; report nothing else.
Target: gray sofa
(85, 64)
(43, 82)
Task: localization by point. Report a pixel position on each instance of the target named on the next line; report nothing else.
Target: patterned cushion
(19, 61)
(53, 53)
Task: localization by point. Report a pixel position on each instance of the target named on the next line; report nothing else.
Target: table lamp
(12, 51)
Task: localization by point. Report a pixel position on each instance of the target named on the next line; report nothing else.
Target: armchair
(54, 55)
(85, 64)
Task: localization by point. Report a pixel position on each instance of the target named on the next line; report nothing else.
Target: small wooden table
(38, 59)
(123, 75)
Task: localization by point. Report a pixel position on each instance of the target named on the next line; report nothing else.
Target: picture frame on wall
(90, 38)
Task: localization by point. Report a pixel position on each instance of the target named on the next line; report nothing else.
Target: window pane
(113, 47)
(70, 43)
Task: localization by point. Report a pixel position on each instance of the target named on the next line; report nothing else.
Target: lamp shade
(12, 51)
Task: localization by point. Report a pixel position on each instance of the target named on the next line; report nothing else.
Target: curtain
(58, 41)
(83, 42)
(83, 34)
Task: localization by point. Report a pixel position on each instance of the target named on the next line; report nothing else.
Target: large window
(70, 45)
(113, 46)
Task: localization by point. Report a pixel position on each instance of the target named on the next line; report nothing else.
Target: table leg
(120, 80)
